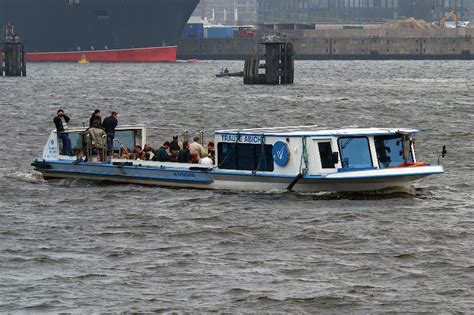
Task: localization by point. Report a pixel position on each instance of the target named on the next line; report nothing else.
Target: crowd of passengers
(170, 151)
(174, 151)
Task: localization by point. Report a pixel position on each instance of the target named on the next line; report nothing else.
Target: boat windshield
(393, 150)
(355, 152)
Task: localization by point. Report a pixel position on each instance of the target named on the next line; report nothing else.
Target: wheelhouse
(314, 151)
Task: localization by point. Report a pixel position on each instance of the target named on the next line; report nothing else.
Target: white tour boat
(302, 159)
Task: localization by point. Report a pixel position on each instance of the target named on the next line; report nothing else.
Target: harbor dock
(350, 44)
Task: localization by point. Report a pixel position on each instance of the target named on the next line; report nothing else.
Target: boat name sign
(241, 138)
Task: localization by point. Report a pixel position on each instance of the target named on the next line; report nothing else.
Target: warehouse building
(314, 11)
(227, 12)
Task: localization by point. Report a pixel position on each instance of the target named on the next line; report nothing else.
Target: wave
(26, 177)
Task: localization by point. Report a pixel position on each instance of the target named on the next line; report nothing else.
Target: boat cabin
(125, 137)
(309, 150)
(279, 151)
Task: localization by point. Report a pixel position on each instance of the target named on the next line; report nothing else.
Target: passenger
(109, 125)
(197, 151)
(95, 121)
(81, 155)
(96, 133)
(125, 154)
(184, 155)
(175, 146)
(136, 153)
(148, 150)
(226, 71)
(162, 153)
(211, 152)
(61, 121)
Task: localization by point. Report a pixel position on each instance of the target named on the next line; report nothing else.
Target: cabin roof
(298, 131)
(118, 128)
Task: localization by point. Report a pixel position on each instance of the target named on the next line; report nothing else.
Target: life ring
(408, 164)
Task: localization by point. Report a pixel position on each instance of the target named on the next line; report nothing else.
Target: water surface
(75, 246)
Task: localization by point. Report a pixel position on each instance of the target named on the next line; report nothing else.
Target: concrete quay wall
(387, 47)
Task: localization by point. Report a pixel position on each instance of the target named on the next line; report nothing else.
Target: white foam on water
(28, 177)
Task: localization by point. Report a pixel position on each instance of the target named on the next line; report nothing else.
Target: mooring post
(278, 67)
(13, 62)
(2, 57)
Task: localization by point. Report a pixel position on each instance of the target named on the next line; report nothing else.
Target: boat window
(355, 152)
(76, 141)
(124, 138)
(390, 150)
(325, 153)
(243, 156)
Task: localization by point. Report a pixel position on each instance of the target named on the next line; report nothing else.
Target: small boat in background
(224, 74)
(302, 159)
(83, 60)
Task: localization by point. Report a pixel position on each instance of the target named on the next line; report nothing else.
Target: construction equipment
(409, 23)
(451, 15)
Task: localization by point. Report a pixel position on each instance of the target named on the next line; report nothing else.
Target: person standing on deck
(175, 146)
(109, 125)
(61, 121)
(95, 121)
(96, 132)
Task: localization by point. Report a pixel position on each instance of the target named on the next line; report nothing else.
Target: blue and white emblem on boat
(281, 153)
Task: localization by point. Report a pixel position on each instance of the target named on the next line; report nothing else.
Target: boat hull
(105, 30)
(203, 178)
(153, 54)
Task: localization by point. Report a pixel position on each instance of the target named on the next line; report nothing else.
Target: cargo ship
(99, 30)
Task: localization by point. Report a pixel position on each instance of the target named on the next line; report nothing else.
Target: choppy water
(73, 246)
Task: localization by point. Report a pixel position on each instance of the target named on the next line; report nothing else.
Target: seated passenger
(161, 154)
(147, 152)
(136, 153)
(125, 154)
(197, 151)
(211, 152)
(184, 155)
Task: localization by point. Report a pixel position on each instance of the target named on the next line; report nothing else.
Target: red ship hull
(152, 54)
